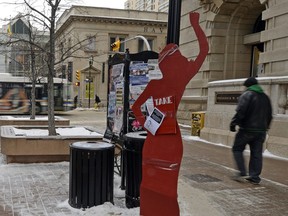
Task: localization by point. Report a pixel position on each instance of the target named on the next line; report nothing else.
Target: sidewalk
(205, 187)
(207, 168)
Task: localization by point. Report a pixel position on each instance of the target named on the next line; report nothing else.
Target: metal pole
(139, 36)
(89, 86)
(125, 113)
(89, 80)
(79, 97)
(174, 16)
(126, 91)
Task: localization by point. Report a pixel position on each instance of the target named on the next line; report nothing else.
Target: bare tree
(36, 70)
(46, 53)
(49, 21)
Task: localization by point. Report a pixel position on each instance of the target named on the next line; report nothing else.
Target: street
(87, 117)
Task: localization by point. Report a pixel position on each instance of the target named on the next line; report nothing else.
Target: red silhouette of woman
(162, 152)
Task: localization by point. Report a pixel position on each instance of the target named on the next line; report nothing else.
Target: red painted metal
(162, 153)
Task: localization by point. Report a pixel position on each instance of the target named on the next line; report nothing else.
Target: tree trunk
(51, 59)
(33, 99)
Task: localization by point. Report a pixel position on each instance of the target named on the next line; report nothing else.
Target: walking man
(97, 101)
(253, 116)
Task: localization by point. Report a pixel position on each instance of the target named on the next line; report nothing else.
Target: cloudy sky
(10, 8)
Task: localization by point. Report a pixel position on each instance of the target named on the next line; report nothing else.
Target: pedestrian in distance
(75, 101)
(253, 117)
(97, 101)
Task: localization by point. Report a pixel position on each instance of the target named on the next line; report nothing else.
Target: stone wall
(218, 116)
(229, 27)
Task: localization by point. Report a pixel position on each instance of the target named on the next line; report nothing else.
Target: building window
(91, 44)
(61, 47)
(122, 46)
(69, 46)
(142, 45)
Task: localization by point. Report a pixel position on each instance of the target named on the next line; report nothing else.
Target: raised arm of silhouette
(177, 70)
(162, 153)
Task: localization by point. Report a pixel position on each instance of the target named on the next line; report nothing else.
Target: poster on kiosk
(129, 75)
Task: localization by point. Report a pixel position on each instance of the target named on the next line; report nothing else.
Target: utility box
(197, 123)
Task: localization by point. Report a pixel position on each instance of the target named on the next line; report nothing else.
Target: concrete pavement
(205, 187)
(208, 168)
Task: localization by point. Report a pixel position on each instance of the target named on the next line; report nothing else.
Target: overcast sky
(10, 8)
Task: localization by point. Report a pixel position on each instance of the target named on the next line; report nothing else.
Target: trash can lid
(91, 145)
(136, 135)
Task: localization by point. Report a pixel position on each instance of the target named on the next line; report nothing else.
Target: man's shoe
(252, 181)
(239, 178)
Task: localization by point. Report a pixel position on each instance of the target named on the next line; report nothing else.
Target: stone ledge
(28, 149)
(5, 120)
(275, 145)
(278, 146)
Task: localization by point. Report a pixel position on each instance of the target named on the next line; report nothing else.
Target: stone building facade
(147, 5)
(96, 29)
(246, 38)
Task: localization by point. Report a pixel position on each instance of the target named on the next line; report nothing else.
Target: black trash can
(132, 159)
(91, 174)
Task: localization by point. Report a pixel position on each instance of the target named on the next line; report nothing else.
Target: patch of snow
(24, 117)
(105, 209)
(69, 131)
(196, 138)
(266, 153)
(185, 126)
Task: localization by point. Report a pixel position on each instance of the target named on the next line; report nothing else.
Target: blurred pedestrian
(97, 101)
(75, 101)
(253, 116)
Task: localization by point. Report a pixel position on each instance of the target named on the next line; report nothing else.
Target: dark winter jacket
(254, 111)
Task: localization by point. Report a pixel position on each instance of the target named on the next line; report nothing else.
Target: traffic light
(77, 83)
(78, 75)
(116, 45)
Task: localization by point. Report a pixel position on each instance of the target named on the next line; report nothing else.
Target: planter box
(20, 148)
(24, 120)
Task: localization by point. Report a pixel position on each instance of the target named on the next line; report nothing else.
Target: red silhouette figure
(162, 152)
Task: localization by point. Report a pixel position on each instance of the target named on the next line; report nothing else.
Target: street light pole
(174, 16)
(89, 79)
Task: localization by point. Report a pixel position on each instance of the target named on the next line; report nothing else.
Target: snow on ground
(69, 131)
(108, 209)
(23, 117)
(103, 210)
(266, 153)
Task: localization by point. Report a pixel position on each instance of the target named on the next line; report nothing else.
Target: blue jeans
(255, 141)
